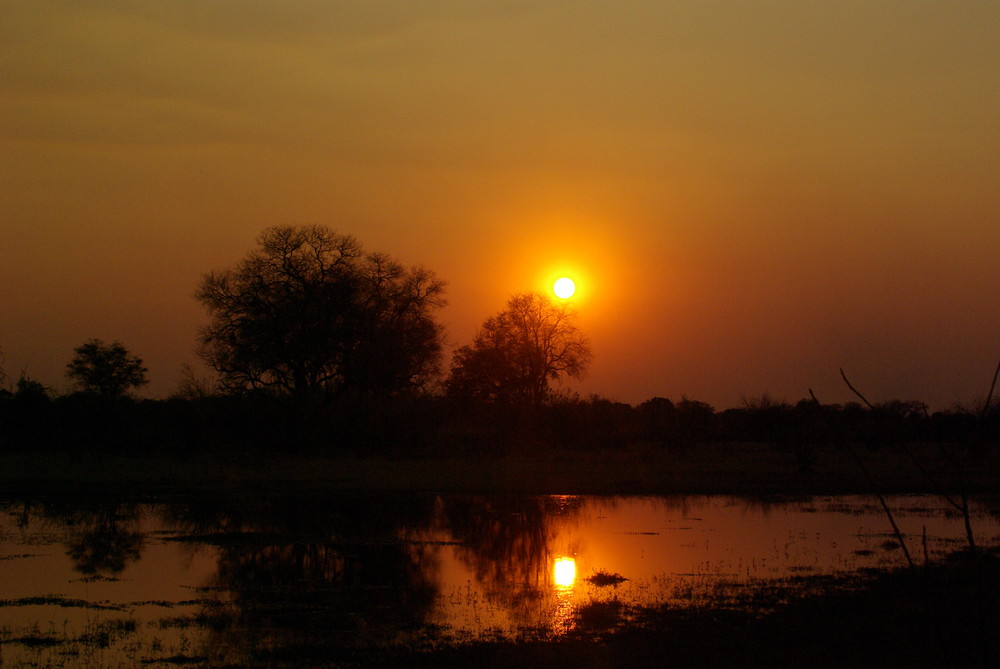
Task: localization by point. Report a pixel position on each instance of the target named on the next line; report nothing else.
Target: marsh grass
(109, 637)
(911, 617)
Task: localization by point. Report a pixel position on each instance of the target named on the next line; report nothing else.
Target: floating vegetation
(169, 605)
(35, 640)
(603, 578)
(96, 578)
(105, 633)
(177, 659)
(56, 600)
(643, 534)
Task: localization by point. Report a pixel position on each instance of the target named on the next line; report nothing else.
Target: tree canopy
(106, 369)
(518, 352)
(310, 313)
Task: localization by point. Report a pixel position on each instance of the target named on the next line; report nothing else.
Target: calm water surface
(118, 583)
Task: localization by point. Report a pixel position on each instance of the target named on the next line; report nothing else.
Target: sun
(564, 288)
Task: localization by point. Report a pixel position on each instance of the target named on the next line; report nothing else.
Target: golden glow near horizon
(564, 572)
(722, 181)
(564, 288)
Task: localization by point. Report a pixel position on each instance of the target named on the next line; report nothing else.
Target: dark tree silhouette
(309, 313)
(106, 369)
(29, 390)
(518, 352)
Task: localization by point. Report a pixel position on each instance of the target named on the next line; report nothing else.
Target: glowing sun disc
(564, 288)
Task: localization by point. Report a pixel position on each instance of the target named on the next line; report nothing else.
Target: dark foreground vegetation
(443, 444)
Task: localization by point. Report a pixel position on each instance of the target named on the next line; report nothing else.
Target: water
(283, 579)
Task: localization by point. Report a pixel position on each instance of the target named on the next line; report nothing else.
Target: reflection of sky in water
(473, 565)
(159, 582)
(681, 551)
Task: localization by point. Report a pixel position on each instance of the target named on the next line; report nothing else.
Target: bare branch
(855, 390)
(867, 474)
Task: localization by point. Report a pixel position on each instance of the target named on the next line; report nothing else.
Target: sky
(751, 195)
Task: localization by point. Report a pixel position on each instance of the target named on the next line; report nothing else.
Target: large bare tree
(309, 313)
(518, 352)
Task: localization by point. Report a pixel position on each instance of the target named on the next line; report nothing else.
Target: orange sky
(753, 194)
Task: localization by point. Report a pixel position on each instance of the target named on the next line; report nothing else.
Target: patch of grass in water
(35, 640)
(97, 578)
(603, 578)
(56, 600)
(106, 633)
(169, 605)
(177, 659)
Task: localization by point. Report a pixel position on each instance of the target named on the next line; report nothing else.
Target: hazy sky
(751, 194)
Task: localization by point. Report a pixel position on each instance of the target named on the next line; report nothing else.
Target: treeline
(317, 345)
(442, 425)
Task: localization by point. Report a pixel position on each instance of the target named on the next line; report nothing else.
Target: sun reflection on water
(564, 578)
(564, 572)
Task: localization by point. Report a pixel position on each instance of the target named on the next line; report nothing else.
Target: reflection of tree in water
(507, 542)
(303, 578)
(101, 535)
(104, 548)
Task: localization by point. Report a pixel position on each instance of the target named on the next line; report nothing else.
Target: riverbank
(742, 469)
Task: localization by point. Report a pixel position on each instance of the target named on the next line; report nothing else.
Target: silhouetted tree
(28, 390)
(518, 352)
(106, 369)
(309, 313)
(695, 420)
(659, 422)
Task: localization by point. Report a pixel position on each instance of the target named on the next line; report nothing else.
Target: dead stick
(871, 481)
(989, 395)
(855, 390)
